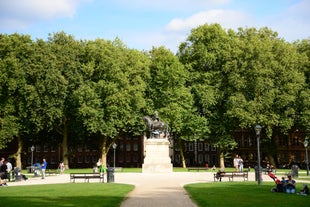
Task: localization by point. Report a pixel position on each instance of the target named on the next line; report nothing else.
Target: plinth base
(157, 158)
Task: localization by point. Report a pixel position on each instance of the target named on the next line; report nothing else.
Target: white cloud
(227, 19)
(17, 13)
(293, 23)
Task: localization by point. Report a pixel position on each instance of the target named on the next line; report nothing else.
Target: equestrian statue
(155, 127)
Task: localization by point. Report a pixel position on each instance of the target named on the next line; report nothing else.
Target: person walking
(9, 170)
(240, 164)
(43, 168)
(236, 163)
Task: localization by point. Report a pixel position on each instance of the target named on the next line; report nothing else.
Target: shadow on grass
(59, 195)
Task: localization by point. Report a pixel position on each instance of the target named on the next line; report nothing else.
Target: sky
(143, 24)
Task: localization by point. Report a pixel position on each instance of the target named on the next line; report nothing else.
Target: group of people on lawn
(238, 164)
(289, 186)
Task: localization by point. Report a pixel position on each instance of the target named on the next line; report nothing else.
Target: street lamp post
(307, 160)
(32, 149)
(114, 147)
(258, 129)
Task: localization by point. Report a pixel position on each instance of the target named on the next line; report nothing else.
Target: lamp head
(306, 143)
(258, 128)
(114, 146)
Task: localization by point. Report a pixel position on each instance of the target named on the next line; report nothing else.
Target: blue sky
(142, 24)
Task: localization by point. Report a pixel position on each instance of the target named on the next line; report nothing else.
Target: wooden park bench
(244, 175)
(219, 175)
(196, 169)
(86, 176)
(231, 175)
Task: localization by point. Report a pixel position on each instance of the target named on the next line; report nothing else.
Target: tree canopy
(219, 80)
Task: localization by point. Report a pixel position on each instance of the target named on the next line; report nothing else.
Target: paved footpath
(151, 189)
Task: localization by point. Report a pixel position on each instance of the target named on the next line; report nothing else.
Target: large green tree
(303, 48)
(66, 57)
(28, 88)
(168, 94)
(207, 51)
(111, 97)
(266, 84)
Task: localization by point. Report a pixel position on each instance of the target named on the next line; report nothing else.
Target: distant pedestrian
(240, 164)
(3, 171)
(9, 170)
(236, 163)
(61, 167)
(43, 168)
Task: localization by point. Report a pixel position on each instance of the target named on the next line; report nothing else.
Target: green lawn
(59, 195)
(243, 194)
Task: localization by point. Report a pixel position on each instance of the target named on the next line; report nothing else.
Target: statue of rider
(156, 117)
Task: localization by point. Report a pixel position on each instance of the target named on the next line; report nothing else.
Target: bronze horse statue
(155, 127)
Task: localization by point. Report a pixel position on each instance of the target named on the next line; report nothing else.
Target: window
(80, 159)
(80, 148)
(207, 147)
(213, 148)
(121, 158)
(38, 148)
(135, 147)
(128, 147)
(128, 158)
(200, 158)
(53, 160)
(207, 158)
(87, 159)
(45, 148)
(190, 147)
(200, 146)
(94, 159)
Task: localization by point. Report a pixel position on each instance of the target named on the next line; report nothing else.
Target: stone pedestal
(157, 158)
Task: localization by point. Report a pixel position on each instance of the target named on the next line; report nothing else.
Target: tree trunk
(222, 162)
(65, 158)
(63, 130)
(104, 151)
(17, 155)
(181, 153)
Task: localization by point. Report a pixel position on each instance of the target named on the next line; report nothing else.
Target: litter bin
(17, 174)
(110, 175)
(295, 171)
(256, 173)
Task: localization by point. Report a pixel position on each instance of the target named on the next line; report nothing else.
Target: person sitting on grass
(305, 190)
(290, 184)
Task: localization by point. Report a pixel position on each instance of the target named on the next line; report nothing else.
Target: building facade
(129, 152)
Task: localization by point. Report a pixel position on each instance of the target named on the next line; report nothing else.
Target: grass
(71, 194)
(243, 194)
(239, 194)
